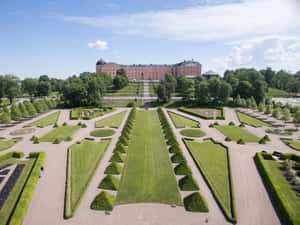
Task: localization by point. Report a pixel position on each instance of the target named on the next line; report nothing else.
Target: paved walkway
(47, 206)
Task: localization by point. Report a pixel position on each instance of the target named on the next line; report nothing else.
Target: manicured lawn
(236, 133)
(88, 113)
(252, 121)
(132, 89)
(152, 89)
(45, 121)
(12, 199)
(211, 158)
(102, 133)
(112, 121)
(107, 103)
(284, 189)
(5, 144)
(147, 175)
(294, 144)
(60, 133)
(192, 133)
(181, 121)
(85, 158)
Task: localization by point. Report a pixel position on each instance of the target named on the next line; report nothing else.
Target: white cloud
(100, 45)
(230, 20)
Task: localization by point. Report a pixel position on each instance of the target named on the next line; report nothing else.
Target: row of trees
(25, 109)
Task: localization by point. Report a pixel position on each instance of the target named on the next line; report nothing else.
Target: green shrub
(178, 158)
(33, 138)
(55, 125)
(69, 138)
(56, 141)
(182, 169)
(242, 125)
(83, 125)
(195, 203)
(36, 141)
(123, 141)
(172, 141)
(113, 168)
(188, 183)
(79, 124)
(262, 141)
(227, 139)
(120, 148)
(211, 125)
(15, 113)
(231, 123)
(117, 157)
(266, 137)
(17, 155)
(269, 131)
(65, 124)
(267, 156)
(216, 123)
(103, 201)
(109, 182)
(240, 142)
(174, 149)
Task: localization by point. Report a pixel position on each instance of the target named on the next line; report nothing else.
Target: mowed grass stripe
(251, 120)
(112, 121)
(60, 133)
(181, 121)
(148, 174)
(236, 133)
(45, 121)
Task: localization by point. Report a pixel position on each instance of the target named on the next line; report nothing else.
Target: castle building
(189, 68)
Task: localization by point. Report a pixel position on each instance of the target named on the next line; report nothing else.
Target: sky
(61, 38)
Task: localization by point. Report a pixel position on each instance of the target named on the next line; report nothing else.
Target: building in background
(189, 68)
(210, 74)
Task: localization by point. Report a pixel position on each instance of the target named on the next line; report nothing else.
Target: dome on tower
(100, 62)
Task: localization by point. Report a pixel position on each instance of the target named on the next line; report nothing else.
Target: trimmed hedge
(178, 158)
(103, 201)
(109, 182)
(273, 190)
(195, 203)
(182, 169)
(27, 193)
(117, 157)
(120, 148)
(113, 168)
(188, 183)
(9, 155)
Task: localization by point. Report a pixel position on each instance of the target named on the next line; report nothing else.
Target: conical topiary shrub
(195, 203)
(113, 168)
(103, 201)
(117, 157)
(182, 169)
(109, 182)
(188, 183)
(240, 142)
(120, 148)
(178, 158)
(174, 149)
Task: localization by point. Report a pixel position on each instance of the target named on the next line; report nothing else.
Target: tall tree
(29, 85)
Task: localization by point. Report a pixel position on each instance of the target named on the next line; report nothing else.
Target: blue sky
(61, 38)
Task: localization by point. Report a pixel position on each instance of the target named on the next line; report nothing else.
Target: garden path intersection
(251, 198)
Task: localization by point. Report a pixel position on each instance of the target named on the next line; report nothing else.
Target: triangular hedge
(113, 168)
(182, 169)
(109, 182)
(103, 201)
(195, 203)
(188, 183)
(117, 157)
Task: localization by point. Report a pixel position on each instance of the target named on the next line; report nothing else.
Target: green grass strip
(236, 133)
(251, 120)
(45, 121)
(5, 144)
(192, 133)
(147, 175)
(181, 121)
(61, 133)
(112, 121)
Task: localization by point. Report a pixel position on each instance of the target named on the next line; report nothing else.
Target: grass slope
(45, 121)
(181, 121)
(102, 133)
(12, 199)
(60, 133)
(236, 133)
(85, 158)
(5, 144)
(251, 120)
(147, 175)
(132, 89)
(112, 121)
(212, 160)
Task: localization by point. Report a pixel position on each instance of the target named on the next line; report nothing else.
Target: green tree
(237, 101)
(286, 115)
(214, 88)
(37, 106)
(187, 89)
(29, 85)
(171, 79)
(5, 118)
(44, 88)
(296, 119)
(15, 113)
(261, 107)
(276, 112)
(30, 108)
(23, 110)
(202, 92)
(269, 109)
(224, 91)
(95, 91)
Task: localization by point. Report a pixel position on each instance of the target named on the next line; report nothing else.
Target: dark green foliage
(211, 125)
(69, 138)
(240, 142)
(23, 110)
(174, 149)
(227, 139)
(188, 183)
(113, 168)
(83, 125)
(242, 125)
(103, 201)
(30, 108)
(266, 137)
(65, 124)
(182, 169)
(36, 141)
(109, 182)
(15, 113)
(120, 148)
(178, 158)
(5, 118)
(117, 157)
(267, 156)
(57, 141)
(195, 203)
(262, 141)
(231, 123)
(55, 125)
(123, 141)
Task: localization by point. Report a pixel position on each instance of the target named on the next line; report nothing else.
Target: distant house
(210, 74)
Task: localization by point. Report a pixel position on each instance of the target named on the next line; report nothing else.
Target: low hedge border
(275, 194)
(68, 214)
(284, 140)
(231, 216)
(22, 205)
(222, 117)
